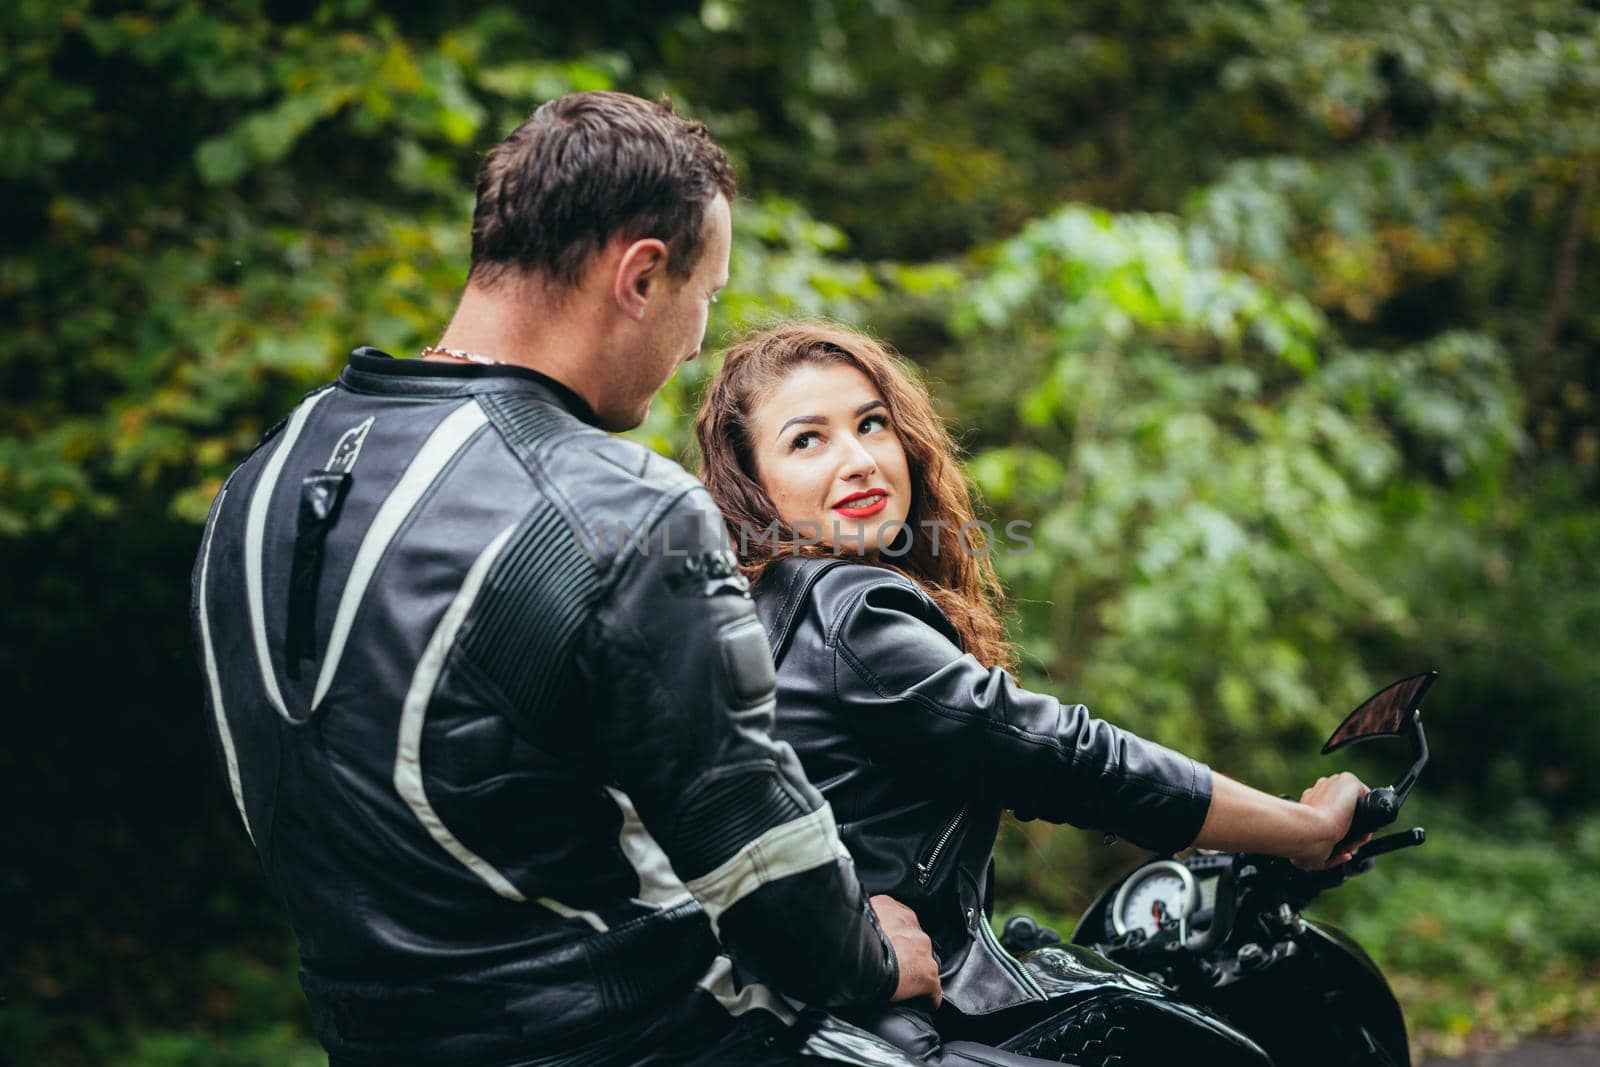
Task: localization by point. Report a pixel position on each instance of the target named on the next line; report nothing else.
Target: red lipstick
(868, 510)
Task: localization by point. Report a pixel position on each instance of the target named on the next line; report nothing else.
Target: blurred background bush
(1275, 320)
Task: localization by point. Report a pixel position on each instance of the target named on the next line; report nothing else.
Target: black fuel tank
(1109, 1015)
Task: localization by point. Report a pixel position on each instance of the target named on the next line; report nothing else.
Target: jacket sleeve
(685, 699)
(918, 700)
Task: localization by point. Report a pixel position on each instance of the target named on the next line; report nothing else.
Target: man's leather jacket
(494, 705)
(919, 748)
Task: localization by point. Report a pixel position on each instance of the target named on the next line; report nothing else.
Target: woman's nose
(858, 461)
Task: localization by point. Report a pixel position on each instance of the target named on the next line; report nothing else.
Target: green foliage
(251, 1016)
(1205, 467)
(328, 208)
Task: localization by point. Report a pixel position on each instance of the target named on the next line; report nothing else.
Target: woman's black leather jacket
(919, 748)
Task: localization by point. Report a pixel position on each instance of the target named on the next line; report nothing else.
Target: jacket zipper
(1010, 962)
(925, 868)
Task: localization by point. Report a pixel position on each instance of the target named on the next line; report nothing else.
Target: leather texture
(919, 748)
(514, 782)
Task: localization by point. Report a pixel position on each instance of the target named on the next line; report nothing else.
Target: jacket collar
(372, 370)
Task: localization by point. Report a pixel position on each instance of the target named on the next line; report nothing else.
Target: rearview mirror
(1383, 714)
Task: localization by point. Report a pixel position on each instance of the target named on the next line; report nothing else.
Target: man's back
(456, 641)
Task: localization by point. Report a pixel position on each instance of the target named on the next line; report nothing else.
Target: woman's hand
(1334, 801)
(913, 951)
(1242, 819)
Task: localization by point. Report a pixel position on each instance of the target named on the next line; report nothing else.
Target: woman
(848, 510)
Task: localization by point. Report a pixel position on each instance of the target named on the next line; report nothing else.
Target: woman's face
(830, 458)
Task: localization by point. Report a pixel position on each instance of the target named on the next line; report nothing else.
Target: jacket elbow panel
(727, 810)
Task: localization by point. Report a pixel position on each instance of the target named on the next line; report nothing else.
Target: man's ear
(640, 273)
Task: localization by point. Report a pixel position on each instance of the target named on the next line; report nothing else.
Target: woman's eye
(803, 441)
(875, 421)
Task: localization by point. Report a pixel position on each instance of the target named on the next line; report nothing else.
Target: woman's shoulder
(875, 614)
(831, 592)
(822, 588)
(854, 579)
(825, 578)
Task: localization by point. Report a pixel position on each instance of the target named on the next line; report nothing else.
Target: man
(487, 687)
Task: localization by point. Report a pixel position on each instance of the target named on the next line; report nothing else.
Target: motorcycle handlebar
(1311, 883)
(1393, 843)
(1377, 809)
(1374, 811)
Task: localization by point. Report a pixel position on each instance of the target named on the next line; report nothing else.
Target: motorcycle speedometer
(1155, 893)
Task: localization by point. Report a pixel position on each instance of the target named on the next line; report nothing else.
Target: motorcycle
(1209, 956)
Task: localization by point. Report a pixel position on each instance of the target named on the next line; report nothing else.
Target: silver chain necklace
(464, 356)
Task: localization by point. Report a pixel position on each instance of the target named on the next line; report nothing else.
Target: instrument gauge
(1155, 893)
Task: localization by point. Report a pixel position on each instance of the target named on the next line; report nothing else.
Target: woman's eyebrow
(814, 419)
(820, 420)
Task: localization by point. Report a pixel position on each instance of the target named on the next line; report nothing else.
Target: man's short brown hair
(585, 168)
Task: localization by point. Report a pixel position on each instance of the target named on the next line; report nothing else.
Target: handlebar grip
(1374, 811)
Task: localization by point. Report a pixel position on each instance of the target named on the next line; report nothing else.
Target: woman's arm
(1242, 819)
(922, 704)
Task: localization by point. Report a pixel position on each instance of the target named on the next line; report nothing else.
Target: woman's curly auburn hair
(949, 562)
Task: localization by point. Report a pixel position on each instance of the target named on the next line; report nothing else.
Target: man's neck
(520, 326)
